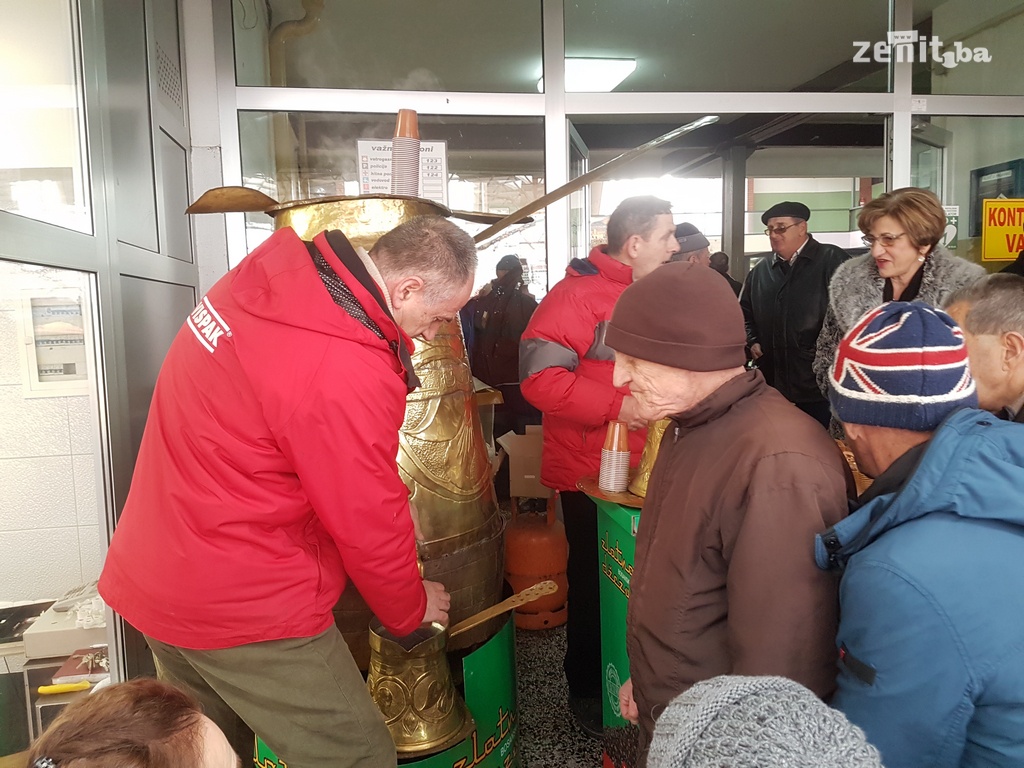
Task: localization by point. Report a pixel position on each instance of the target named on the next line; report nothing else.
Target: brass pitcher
(411, 683)
(638, 485)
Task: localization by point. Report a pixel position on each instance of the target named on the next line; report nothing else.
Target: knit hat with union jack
(901, 365)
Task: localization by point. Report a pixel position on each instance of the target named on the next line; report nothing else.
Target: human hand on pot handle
(627, 705)
(438, 602)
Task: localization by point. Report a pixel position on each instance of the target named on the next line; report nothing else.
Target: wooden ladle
(528, 595)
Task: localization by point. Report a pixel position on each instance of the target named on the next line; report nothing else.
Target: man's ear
(404, 289)
(853, 431)
(632, 245)
(1013, 349)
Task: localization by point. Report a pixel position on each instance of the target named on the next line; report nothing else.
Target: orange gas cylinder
(535, 550)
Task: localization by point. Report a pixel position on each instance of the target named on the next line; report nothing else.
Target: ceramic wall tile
(83, 423)
(10, 351)
(37, 494)
(87, 501)
(40, 564)
(32, 426)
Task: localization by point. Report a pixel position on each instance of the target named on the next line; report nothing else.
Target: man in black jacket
(784, 299)
(720, 263)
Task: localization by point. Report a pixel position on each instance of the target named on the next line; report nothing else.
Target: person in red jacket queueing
(267, 479)
(566, 372)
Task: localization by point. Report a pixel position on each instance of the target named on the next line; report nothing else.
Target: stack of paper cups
(405, 155)
(614, 476)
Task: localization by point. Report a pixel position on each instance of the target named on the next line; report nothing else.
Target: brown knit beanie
(682, 315)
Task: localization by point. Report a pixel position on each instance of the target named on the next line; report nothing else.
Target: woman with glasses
(902, 228)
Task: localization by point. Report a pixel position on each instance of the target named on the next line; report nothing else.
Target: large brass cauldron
(442, 457)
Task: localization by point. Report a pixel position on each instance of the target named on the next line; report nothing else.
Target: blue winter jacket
(931, 631)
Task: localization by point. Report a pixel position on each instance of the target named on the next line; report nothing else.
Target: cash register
(76, 620)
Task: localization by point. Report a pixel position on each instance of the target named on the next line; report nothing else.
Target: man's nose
(428, 335)
(619, 378)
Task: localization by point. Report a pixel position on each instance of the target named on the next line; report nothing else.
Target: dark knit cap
(901, 365)
(508, 262)
(682, 315)
(794, 210)
(690, 238)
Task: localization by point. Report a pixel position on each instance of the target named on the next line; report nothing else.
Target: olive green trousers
(305, 697)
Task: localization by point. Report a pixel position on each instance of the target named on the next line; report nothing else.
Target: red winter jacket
(566, 369)
(267, 475)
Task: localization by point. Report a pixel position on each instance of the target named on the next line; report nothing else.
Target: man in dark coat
(720, 263)
(693, 246)
(724, 580)
(784, 300)
(500, 314)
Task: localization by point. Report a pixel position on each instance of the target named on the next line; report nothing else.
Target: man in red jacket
(267, 479)
(566, 372)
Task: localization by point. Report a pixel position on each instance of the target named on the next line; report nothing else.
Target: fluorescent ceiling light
(594, 75)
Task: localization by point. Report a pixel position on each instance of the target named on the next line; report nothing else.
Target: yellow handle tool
(47, 690)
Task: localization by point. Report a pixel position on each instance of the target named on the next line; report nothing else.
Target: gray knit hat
(756, 722)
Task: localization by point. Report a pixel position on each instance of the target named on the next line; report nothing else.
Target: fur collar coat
(857, 287)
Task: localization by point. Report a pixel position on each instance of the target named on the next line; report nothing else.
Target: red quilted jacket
(267, 477)
(566, 369)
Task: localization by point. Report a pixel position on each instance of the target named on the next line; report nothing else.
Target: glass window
(801, 45)
(52, 530)
(494, 165)
(42, 137)
(983, 159)
(829, 162)
(966, 47)
(409, 45)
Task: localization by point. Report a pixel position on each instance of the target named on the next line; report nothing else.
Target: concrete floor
(548, 734)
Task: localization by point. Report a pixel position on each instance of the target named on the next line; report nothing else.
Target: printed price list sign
(375, 168)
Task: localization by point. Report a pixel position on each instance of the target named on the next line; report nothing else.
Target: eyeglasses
(886, 240)
(780, 230)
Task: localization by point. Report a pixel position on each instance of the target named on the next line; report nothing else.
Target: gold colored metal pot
(441, 453)
(638, 485)
(363, 219)
(411, 683)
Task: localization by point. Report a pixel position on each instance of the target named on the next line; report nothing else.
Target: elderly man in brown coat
(724, 580)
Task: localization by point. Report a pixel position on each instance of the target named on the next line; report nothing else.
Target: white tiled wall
(50, 520)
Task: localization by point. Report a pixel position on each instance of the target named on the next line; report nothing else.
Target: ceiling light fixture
(594, 75)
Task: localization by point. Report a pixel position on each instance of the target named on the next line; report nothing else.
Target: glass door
(928, 153)
(579, 201)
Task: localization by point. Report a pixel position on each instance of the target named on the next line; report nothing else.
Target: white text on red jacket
(207, 325)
